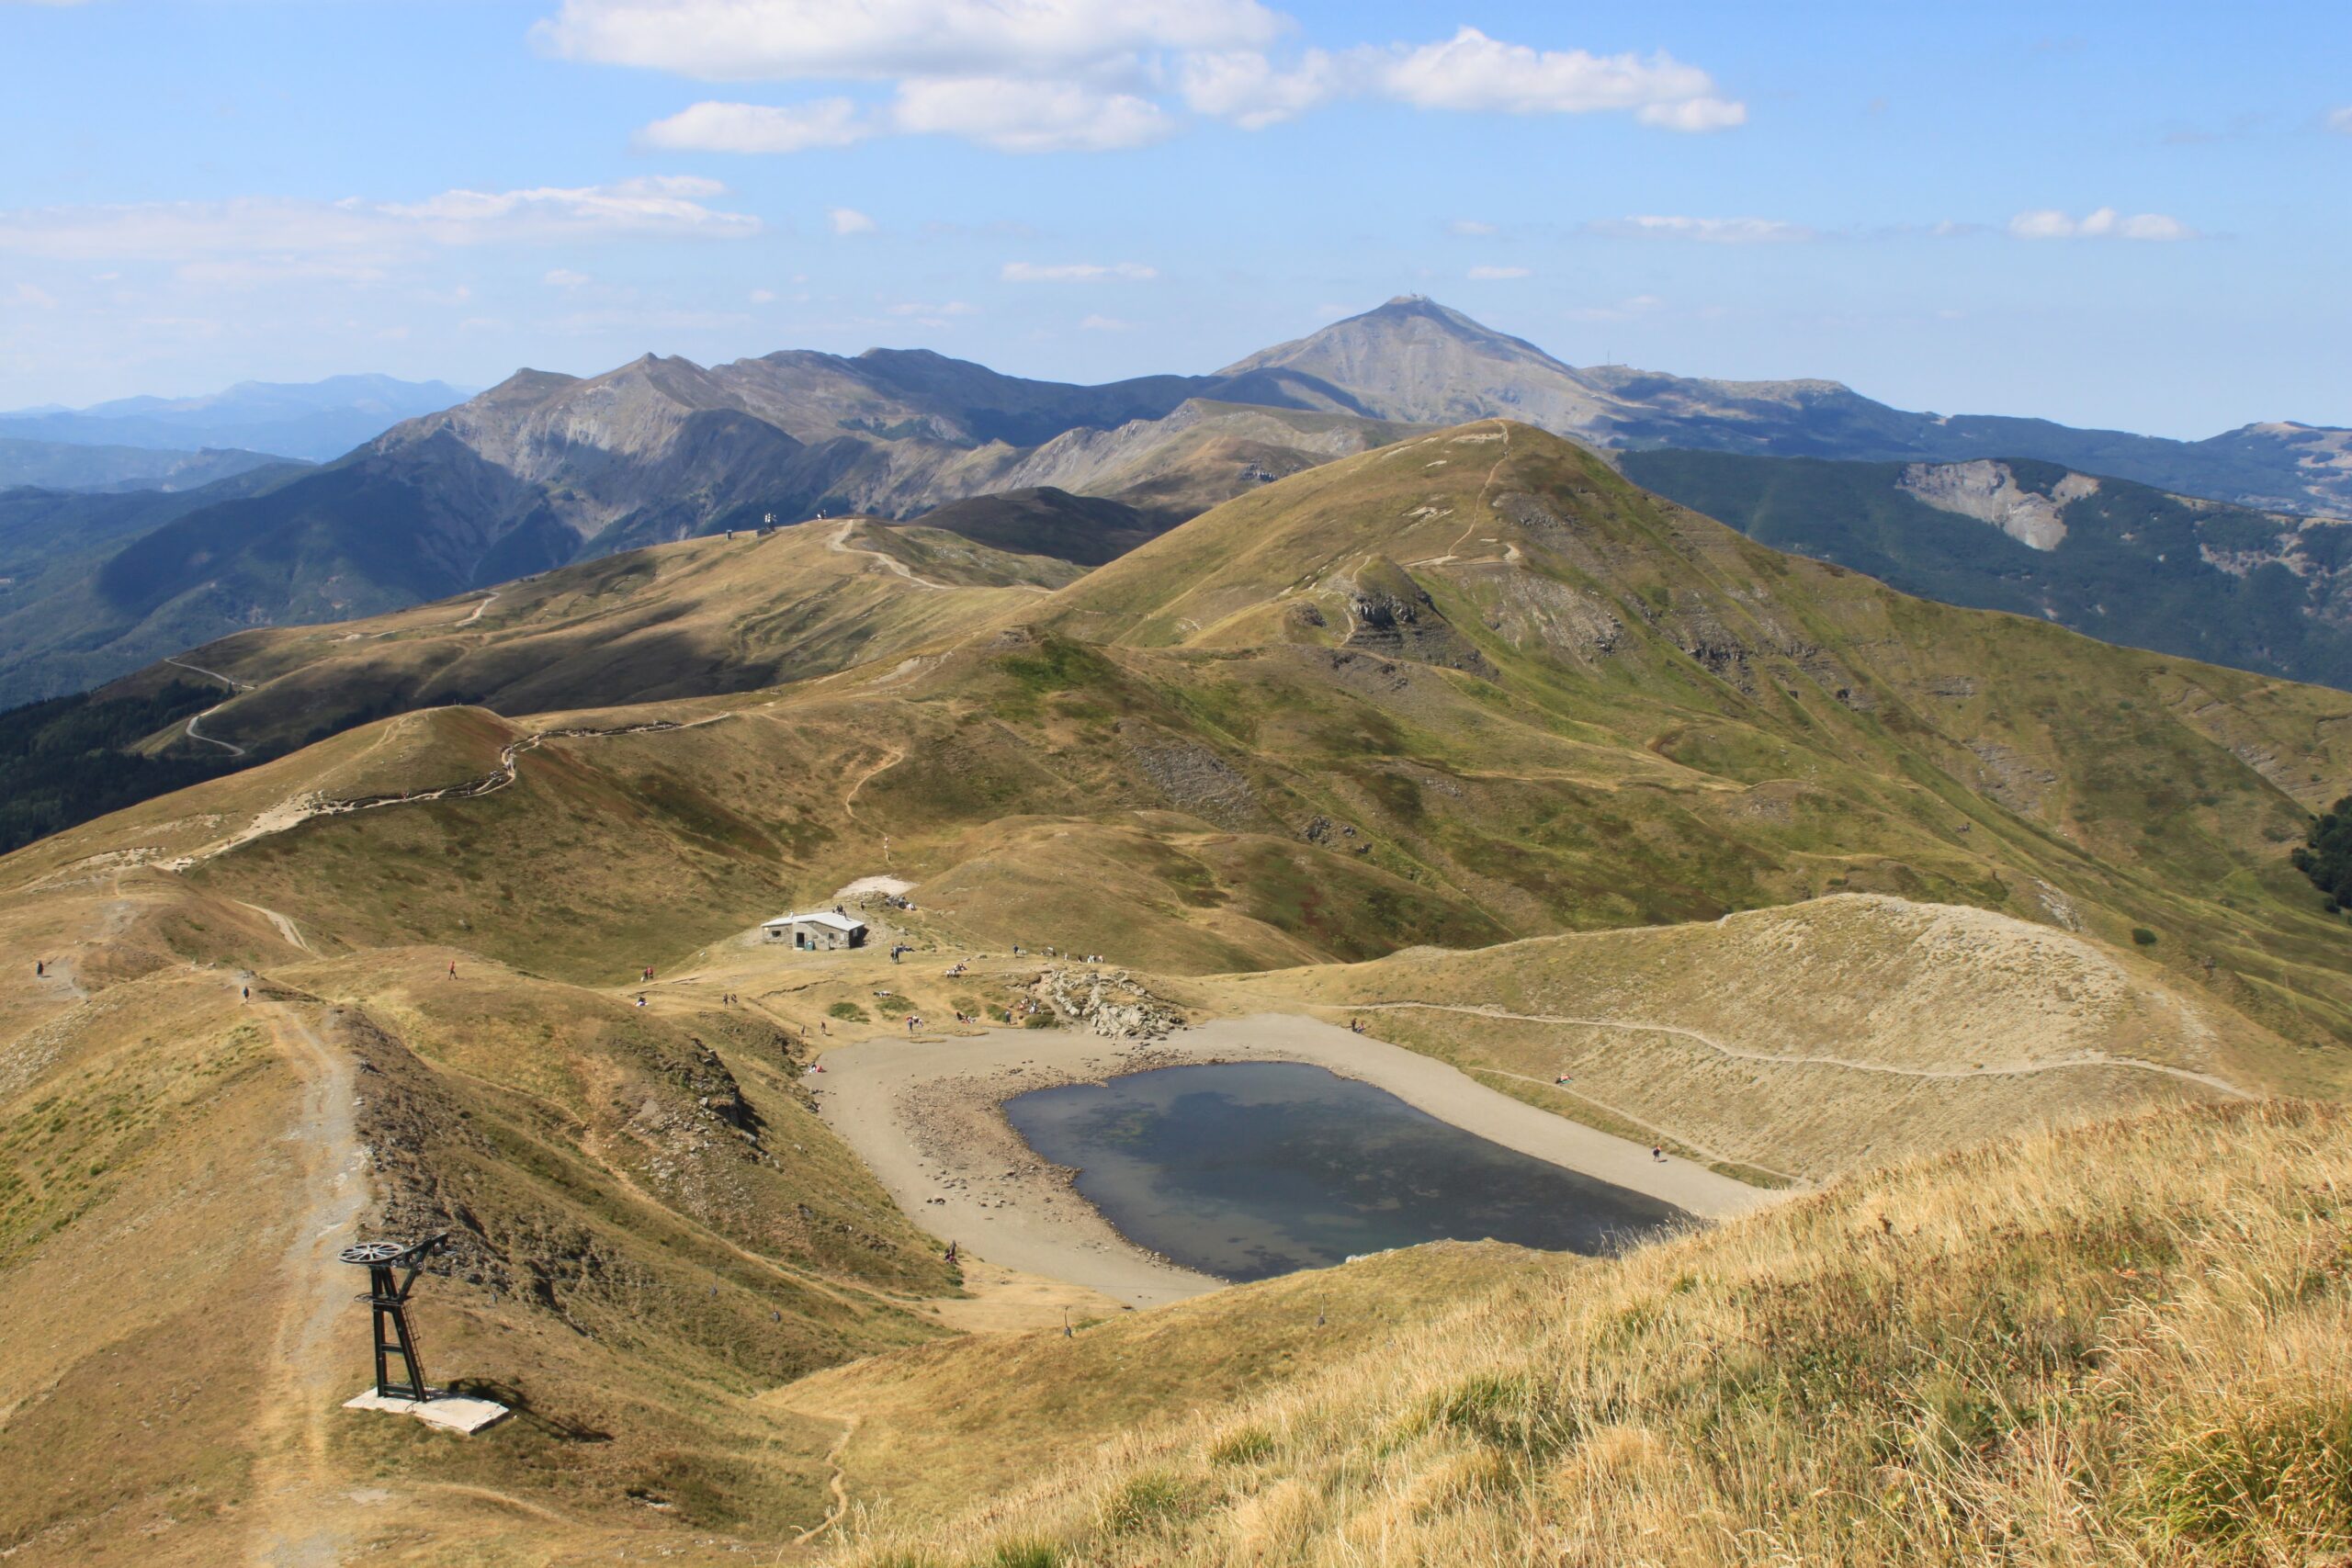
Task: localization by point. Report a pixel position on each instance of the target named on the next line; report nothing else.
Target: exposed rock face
(1392, 616)
(1990, 492)
(2009, 776)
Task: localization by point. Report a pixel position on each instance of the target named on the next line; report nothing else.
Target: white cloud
(1015, 116)
(564, 277)
(750, 40)
(1244, 86)
(1496, 274)
(354, 237)
(1077, 272)
(658, 204)
(2105, 223)
(762, 296)
(1467, 72)
(1473, 72)
(1694, 115)
(1706, 231)
(848, 221)
(2340, 120)
(1008, 114)
(759, 128)
(1105, 324)
(30, 294)
(934, 313)
(1471, 229)
(1049, 75)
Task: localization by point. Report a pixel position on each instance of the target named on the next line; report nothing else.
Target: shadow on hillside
(515, 1400)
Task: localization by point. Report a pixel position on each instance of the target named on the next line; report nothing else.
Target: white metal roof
(818, 918)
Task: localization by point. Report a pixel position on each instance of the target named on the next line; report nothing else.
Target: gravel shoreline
(926, 1116)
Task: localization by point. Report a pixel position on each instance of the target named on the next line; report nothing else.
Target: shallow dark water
(1250, 1170)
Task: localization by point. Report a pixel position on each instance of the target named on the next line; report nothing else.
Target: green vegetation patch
(68, 760)
(2325, 854)
(2269, 1475)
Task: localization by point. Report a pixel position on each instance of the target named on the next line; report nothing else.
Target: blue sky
(2122, 215)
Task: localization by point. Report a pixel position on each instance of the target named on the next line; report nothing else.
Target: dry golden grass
(2125, 1345)
(939, 1425)
(1838, 1035)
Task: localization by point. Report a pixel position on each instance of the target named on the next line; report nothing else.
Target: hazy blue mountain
(71, 466)
(58, 632)
(311, 420)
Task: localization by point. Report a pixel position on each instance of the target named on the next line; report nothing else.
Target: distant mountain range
(545, 470)
(70, 466)
(311, 420)
(2120, 561)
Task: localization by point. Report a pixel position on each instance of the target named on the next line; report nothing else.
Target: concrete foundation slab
(450, 1412)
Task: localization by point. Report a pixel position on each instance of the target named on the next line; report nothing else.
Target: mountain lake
(1249, 1170)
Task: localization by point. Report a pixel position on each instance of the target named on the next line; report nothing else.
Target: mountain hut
(817, 930)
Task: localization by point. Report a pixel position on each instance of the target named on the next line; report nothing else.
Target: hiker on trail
(247, 993)
(951, 1253)
(640, 1000)
(453, 968)
(39, 969)
(911, 1021)
(1657, 1154)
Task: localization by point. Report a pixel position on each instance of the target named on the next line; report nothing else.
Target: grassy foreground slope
(2126, 1343)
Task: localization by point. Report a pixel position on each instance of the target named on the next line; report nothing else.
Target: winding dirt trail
(2014, 1070)
(470, 620)
(234, 687)
(305, 1516)
(840, 543)
(298, 809)
(286, 928)
(836, 1483)
(849, 798)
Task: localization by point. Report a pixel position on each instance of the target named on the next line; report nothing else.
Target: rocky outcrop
(1990, 492)
(1392, 616)
(1110, 1003)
